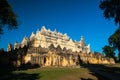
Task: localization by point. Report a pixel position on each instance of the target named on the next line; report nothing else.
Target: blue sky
(75, 17)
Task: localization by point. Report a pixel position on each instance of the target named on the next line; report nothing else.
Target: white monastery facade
(46, 37)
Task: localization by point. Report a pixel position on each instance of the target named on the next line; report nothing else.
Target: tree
(7, 16)
(111, 9)
(114, 40)
(109, 51)
(21, 53)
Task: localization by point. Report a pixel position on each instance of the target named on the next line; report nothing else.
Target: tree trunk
(119, 54)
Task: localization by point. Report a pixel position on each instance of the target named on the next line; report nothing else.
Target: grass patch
(49, 74)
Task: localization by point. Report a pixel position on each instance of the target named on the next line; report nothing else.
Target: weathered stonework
(95, 58)
(45, 38)
(51, 48)
(52, 58)
(9, 48)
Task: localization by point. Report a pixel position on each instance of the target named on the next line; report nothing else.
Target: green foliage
(114, 39)
(109, 51)
(52, 73)
(7, 16)
(111, 9)
(22, 52)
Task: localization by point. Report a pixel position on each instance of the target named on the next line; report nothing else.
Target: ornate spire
(55, 30)
(88, 48)
(37, 31)
(24, 41)
(49, 30)
(16, 45)
(9, 48)
(82, 42)
(43, 28)
(65, 34)
(82, 38)
(32, 36)
(70, 39)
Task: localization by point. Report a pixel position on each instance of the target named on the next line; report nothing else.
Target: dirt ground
(107, 72)
(86, 72)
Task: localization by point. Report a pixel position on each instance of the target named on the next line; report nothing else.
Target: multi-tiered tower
(52, 48)
(45, 38)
